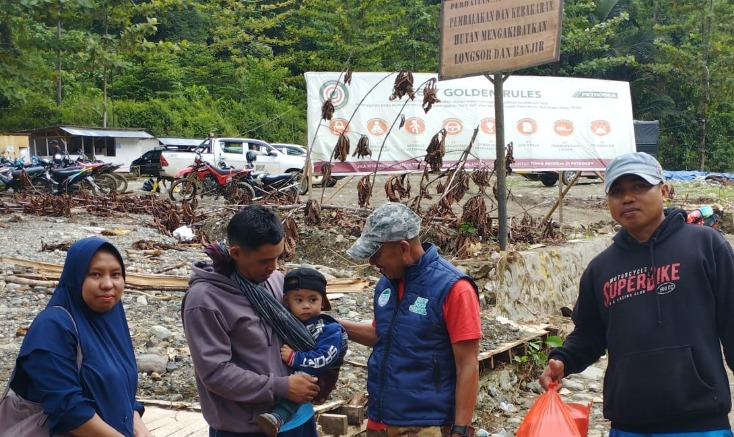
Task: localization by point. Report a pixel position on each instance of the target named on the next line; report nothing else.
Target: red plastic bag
(550, 416)
(580, 414)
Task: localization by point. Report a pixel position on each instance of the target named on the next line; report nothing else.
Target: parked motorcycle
(69, 180)
(103, 173)
(286, 186)
(202, 178)
(20, 179)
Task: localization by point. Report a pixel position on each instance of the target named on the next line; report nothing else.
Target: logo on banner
(338, 126)
(453, 126)
(527, 126)
(336, 91)
(487, 126)
(563, 128)
(377, 127)
(600, 127)
(415, 126)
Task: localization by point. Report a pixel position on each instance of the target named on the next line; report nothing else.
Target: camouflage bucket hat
(390, 222)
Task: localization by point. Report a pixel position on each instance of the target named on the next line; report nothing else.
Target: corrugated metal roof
(171, 141)
(88, 132)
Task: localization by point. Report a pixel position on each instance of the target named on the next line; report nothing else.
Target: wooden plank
(179, 422)
(170, 282)
(170, 405)
(506, 352)
(355, 413)
(327, 406)
(333, 423)
(352, 431)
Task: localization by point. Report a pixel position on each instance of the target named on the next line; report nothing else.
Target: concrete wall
(521, 285)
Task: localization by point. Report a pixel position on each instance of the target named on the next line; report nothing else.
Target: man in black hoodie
(659, 302)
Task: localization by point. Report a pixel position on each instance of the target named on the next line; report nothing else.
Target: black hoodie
(663, 328)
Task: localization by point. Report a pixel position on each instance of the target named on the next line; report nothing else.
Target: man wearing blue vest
(423, 373)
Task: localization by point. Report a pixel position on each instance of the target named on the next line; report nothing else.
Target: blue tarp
(689, 175)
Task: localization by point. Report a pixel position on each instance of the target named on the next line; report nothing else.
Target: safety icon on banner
(338, 126)
(600, 127)
(488, 126)
(563, 127)
(527, 126)
(415, 126)
(453, 126)
(377, 127)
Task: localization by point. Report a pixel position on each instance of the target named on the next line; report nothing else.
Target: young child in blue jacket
(304, 294)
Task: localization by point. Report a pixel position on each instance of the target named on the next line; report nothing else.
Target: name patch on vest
(419, 306)
(384, 298)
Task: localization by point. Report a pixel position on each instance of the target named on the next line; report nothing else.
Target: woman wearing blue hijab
(98, 400)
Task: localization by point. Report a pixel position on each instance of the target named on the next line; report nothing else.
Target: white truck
(232, 152)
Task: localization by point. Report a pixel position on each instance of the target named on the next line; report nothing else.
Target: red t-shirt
(461, 314)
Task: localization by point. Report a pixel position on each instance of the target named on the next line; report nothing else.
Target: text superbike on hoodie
(659, 309)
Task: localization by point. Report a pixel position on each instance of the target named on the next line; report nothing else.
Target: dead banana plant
(363, 147)
(397, 187)
(441, 209)
(475, 214)
(481, 177)
(290, 238)
(423, 192)
(312, 212)
(327, 110)
(436, 150)
(465, 246)
(456, 186)
(403, 86)
(364, 191)
(341, 150)
(429, 95)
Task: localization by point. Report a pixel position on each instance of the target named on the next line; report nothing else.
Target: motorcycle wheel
(302, 182)
(121, 182)
(84, 186)
(182, 189)
(240, 193)
(42, 186)
(107, 183)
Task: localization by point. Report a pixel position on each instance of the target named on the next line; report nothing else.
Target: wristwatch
(462, 430)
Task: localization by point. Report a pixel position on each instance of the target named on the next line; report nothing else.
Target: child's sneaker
(270, 423)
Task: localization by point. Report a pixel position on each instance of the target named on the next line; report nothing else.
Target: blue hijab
(108, 379)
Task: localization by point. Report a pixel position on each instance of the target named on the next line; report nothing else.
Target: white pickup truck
(232, 152)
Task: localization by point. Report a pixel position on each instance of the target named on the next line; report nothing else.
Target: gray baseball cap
(639, 163)
(390, 222)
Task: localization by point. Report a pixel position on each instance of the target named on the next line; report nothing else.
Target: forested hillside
(235, 67)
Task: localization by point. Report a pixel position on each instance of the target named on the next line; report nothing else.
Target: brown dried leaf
(348, 76)
(429, 95)
(290, 238)
(436, 150)
(363, 147)
(312, 212)
(327, 110)
(403, 86)
(341, 150)
(364, 191)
